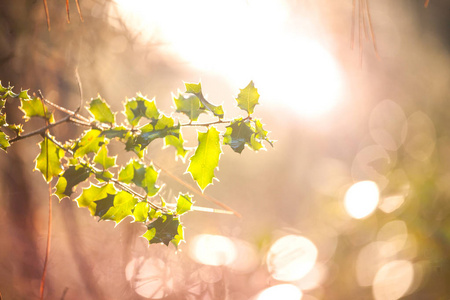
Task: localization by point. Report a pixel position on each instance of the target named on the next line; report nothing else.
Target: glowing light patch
(212, 250)
(291, 257)
(361, 199)
(281, 291)
(393, 280)
(235, 40)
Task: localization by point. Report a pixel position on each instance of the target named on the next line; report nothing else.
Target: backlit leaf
(141, 175)
(177, 143)
(140, 212)
(139, 107)
(248, 98)
(196, 89)
(4, 143)
(184, 204)
(35, 108)
(48, 162)
(238, 134)
(163, 230)
(90, 142)
(205, 158)
(190, 105)
(94, 193)
(103, 159)
(123, 204)
(101, 111)
(71, 177)
(163, 127)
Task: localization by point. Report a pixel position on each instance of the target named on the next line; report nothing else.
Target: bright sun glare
(242, 41)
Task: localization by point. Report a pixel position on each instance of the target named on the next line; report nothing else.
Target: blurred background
(352, 202)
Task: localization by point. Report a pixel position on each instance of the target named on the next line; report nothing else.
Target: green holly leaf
(48, 162)
(141, 175)
(190, 105)
(4, 141)
(122, 206)
(163, 127)
(102, 158)
(117, 132)
(139, 107)
(163, 230)
(177, 143)
(17, 128)
(140, 212)
(90, 142)
(238, 134)
(196, 89)
(71, 177)
(35, 108)
(184, 204)
(205, 158)
(248, 98)
(104, 205)
(94, 193)
(24, 95)
(101, 111)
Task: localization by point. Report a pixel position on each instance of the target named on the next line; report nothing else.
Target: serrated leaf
(149, 181)
(139, 107)
(141, 175)
(71, 177)
(163, 127)
(238, 134)
(48, 162)
(90, 142)
(4, 141)
(190, 105)
(104, 205)
(102, 158)
(123, 204)
(101, 111)
(196, 89)
(184, 203)
(206, 158)
(17, 128)
(163, 230)
(24, 95)
(35, 108)
(248, 98)
(193, 88)
(94, 193)
(140, 212)
(116, 132)
(177, 143)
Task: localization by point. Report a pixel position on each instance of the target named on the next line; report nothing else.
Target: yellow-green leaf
(102, 158)
(205, 158)
(248, 98)
(101, 111)
(48, 162)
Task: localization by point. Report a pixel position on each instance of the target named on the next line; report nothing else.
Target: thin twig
(79, 10)
(67, 11)
(67, 111)
(47, 16)
(371, 31)
(192, 189)
(80, 88)
(40, 130)
(49, 228)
